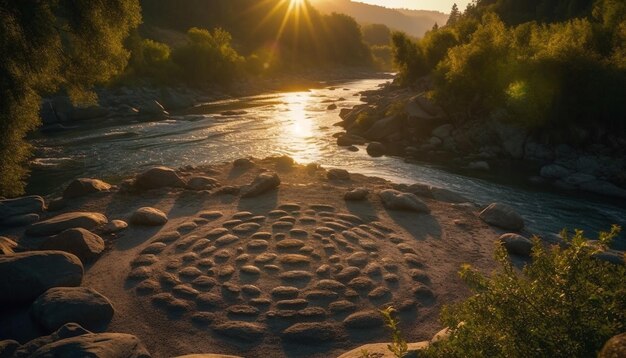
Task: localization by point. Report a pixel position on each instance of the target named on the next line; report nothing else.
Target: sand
(206, 282)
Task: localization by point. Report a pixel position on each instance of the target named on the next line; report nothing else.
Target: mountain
(413, 22)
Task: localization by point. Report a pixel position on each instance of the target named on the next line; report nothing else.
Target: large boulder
(263, 183)
(83, 243)
(147, 216)
(159, 177)
(19, 206)
(81, 305)
(396, 200)
(376, 149)
(516, 244)
(67, 331)
(384, 128)
(84, 186)
(25, 276)
(20, 220)
(502, 216)
(66, 221)
(116, 345)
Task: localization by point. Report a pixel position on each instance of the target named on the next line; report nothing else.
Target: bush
(151, 60)
(566, 303)
(208, 57)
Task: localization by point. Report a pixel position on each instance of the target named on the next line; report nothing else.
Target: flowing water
(297, 124)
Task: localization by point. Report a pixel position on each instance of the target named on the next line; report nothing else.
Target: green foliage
(383, 57)
(398, 345)
(208, 57)
(565, 303)
(546, 73)
(47, 45)
(408, 58)
(151, 60)
(376, 35)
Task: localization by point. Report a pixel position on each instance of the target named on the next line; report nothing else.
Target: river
(297, 124)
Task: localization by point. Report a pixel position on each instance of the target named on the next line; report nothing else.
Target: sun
(296, 3)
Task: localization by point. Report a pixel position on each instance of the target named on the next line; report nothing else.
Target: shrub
(566, 303)
(151, 60)
(208, 57)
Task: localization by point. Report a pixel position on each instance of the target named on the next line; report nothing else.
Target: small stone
(395, 200)
(147, 216)
(340, 307)
(308, 333)
(293, 304)
(263, 183)
(358, 194)
(338, 174)
(244, 331)
(364, 320)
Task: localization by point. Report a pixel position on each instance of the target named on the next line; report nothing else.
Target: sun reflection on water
(298, 132)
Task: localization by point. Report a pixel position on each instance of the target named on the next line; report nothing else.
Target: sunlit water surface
(297, 124)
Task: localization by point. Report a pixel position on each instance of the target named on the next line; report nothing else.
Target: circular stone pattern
(303, 274)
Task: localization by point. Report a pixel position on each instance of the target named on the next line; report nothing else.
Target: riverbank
(199, 272)
(404, 122)
(147, 102)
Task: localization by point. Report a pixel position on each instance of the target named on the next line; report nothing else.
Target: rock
(604, 188)
(90, 112)
(331, 107)
(502, 216)
(384, 128)
(364, 319)
(338, 174)
(66, 221)
(172, 100)
(615, 347)
(159, 177)
(579, 179)
(395, 200)
(435, 142)
(147, 216)
(612, 256)
(20, 220)
(517, 245)
(27, 275)
(554, 171)
(243, 163)
(95, 345)
(84, 186)
(512, 138)
(376, 149)
(19, 206)
(81, 305)
(152, 109)
(358, 194)
(443, 131)
(244, 331)
(381, 350)
(84, 244)
(8, 348)
(481, 165)
(347, 140)
(202, 183)
(114, 226)
(263, 183)
(308, 333)
(67, 331)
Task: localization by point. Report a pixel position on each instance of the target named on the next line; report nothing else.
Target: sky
(439, 5)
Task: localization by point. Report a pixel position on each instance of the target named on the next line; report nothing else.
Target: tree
(48, 45)
(455, 15)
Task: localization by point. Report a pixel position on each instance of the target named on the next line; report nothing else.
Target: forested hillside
(296, 35)
(540, 64)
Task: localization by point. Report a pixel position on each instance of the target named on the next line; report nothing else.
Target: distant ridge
(413, 22)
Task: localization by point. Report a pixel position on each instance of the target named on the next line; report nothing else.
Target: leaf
(7, 245)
